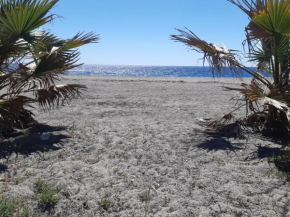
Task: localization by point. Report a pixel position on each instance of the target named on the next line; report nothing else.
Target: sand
(134, 143)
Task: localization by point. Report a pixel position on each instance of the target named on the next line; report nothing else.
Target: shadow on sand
(3, 168)
(217, 144)
(26, 145)
(278, 156)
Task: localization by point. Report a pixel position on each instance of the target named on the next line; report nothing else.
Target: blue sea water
(149, 71)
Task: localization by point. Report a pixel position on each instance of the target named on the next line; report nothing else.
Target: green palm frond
(50, 67)
(262, 54)
(57, 62)
(32, 60)
(80, 39)
(269, 21)
(18, 18)
(275, 18)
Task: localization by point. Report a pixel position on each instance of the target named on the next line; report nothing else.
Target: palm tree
(268, 45)
(31, 61)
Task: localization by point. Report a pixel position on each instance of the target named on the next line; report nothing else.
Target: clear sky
(137, 32)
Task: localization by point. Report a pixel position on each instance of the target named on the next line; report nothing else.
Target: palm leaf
(262, 54)
(32, 60)
(79, 40)
(251, 92)
(13, 113)
(275, 18)
(58, 62)
(217, 56)
(13, 104)
(56, 95)
(21, 17)
(249, 7)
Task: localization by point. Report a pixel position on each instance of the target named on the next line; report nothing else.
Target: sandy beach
(132, 147)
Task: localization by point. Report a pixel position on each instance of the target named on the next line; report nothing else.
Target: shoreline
(161, 79)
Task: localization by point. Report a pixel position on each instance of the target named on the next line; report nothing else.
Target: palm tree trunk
(255, 75)
(276, 71)
(276, 74)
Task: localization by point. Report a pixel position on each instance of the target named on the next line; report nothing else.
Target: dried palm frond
(218, 57)
(273, 120)
(224, 120)
(13, 104)
(267, 101)
(13, 113)
(269, 111)
(250, 6)
(56, 95)
(252, 92)
(226, 125)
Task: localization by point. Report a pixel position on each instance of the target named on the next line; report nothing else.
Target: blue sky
(136, 32)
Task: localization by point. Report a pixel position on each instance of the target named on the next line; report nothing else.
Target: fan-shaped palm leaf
(18, 18)
(31, 60)
(275, 17)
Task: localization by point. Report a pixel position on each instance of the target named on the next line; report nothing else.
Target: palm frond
(249, 7)
(262, 55)
(255, 33)
(56, 95)
(50, 67)
(218, 57)
(58, 62)
(251, 92)
(275, 17)
(13, 113)
(227, 125)
(15, 80)
(13, 104)
(18, 18)
(79, 40)
(32, 60)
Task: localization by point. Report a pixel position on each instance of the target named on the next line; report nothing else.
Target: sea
(151, 71)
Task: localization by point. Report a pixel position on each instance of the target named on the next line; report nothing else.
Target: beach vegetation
(32, 61)
(282, 163)
(19, 180)
(47, 194)
(267, 46)
(105, 203)
(10, 207)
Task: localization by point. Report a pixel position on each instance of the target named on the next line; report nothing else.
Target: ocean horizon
(151, 71)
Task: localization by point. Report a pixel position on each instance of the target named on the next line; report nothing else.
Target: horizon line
(97, 64)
